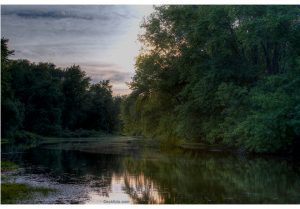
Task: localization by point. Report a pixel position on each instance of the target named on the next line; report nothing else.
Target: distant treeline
(227, 75)
(51, 101)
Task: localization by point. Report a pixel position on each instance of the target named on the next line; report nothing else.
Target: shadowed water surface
(151, 176)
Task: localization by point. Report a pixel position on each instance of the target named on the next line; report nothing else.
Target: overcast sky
(101, 39)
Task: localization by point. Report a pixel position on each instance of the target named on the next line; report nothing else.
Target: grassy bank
(12, 193)
(8, 166)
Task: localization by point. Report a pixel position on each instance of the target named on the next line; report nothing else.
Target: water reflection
(141, 190)
(168, 178)
(115, 195)
(221, 179)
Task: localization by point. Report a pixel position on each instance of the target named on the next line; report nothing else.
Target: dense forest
(49, 101)
(225, 75)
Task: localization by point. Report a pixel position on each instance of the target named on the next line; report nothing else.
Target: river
(93, 175)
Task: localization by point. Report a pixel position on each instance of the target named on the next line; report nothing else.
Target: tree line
(226, 75)
(51, 101)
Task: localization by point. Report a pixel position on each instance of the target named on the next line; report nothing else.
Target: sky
(102, 39)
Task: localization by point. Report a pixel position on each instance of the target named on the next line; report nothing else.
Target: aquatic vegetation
(12, 193)
(8, 166)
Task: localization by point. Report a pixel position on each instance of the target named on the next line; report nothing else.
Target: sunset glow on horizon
(102, 39)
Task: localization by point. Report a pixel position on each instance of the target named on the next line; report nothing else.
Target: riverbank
(124, 145)
(13, 192)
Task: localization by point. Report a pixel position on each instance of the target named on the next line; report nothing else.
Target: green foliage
(11, 109)
(12, 193)
(8, 166)
(272, 121)
(100, 110)
(12, 115)
(50, 101)
(24, 137)
(74, 88)
(224, 75)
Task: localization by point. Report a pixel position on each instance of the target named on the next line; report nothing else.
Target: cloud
(85, 12)
(106, 71)
(50, 14)
(99, 38)
(62, 33)
(110, 75)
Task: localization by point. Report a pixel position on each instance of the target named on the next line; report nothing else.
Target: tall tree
(11, 108)
(75, 85)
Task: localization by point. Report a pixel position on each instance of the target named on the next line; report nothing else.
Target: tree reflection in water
(211, 178)
(141, 189)
(169, 177)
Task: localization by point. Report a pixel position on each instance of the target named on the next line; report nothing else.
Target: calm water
(157, 177)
